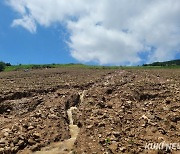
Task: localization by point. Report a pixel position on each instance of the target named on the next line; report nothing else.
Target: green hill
(165, 63)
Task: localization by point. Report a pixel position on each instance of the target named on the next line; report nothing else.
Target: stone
(110, 105)
(15, 128)
(168, 101)
(8, 150)
(16, 140)
(30, 127)
(8, 110)
(99, 135)
(89, 126)
(2, 141)
(53, 116)
(21, 143)
(102, 124)
(113, 147)
(36, 135)
(6, 134)
(122, 149)
(175, 118)
(11, 144)
(116, 134)
(2, 150)
(6, 130)
(15, 149)
(31, 141)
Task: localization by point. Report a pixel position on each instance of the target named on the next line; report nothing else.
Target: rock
(109, 105)
(2, 141)
(35, 147)
(15, 149)
(21, 143)
(6, 130)
(116, 134)
(31, 141)
(89, 126)
(37, 115)
(175, 118)
(113, 147)
(16, 140)
(105, 115)
(122, 149)
(128, 122)
(101, 104)
(36, 135)
(15, 128)
(144, 117)
(30, 127)
(25, 126)
(11, 144)
(8, 111)
(165, 108)
(168, 101)
(129, 102)
(102, 124)
(6, 134)
(143, 125)
(99, 135)
(2, 150)
(21, 137)
(162, 130)
(7, 150)
(122, 107)
(53, 116)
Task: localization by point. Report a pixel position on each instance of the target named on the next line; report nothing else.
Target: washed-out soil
(122, 110)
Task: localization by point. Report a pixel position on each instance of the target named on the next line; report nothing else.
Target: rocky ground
(120, 112)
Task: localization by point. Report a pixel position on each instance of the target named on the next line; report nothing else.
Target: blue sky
(19, 46)
(61, 31)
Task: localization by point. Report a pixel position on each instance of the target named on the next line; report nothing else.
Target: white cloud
(26, 22)
(17, 5)
(109, 31)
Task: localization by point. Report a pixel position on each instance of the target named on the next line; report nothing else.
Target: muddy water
(66, 146)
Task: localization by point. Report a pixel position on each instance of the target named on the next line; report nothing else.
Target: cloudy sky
(105, 32)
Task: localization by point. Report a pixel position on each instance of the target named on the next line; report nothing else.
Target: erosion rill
(65, 147)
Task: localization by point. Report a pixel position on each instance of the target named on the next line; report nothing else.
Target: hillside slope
(165, 63)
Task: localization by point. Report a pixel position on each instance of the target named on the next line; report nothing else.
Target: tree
(2, 66)
(8, 64)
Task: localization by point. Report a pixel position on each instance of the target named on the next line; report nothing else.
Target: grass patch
(26, 67)
(71, 65)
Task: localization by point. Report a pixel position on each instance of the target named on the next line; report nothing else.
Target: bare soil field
(89, 111)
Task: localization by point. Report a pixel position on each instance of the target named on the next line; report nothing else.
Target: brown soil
(120, 110)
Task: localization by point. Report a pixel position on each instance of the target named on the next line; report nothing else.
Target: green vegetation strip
(29, 67)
